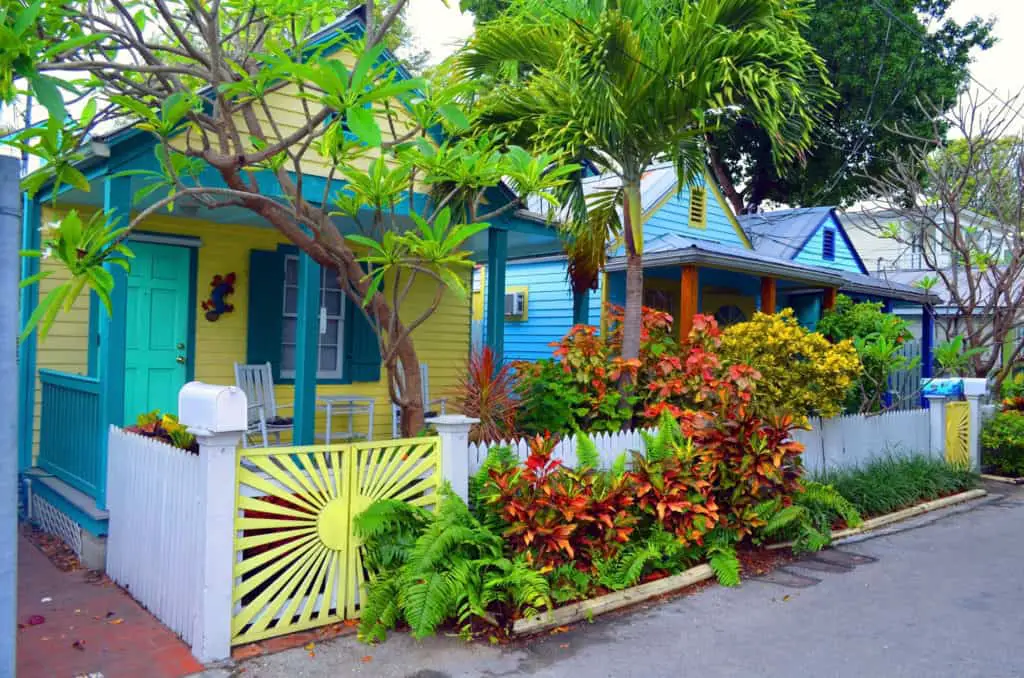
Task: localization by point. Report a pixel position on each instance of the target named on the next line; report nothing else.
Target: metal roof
(782, 233)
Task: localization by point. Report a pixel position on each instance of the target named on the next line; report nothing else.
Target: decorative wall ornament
(220, 288)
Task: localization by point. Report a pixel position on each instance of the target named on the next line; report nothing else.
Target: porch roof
(672, 249)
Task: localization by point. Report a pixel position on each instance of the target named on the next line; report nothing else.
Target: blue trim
(87, 522)
(94, 334)
(193, 304)
(117, 201)
(31, 220)
(927, 342)
(307, 334)
(494, 322)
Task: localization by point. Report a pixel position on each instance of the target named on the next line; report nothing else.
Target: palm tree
(623, 83)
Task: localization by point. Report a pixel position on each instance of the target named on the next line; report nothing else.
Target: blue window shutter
(266, 304)
(362, 352)
(828, 245)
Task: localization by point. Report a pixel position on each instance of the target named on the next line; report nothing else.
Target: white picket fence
(844, 442)
(153, 545)
(609, 447)
(841, 442)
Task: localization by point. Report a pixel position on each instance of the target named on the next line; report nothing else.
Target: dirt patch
(53, 547)
(756, 562)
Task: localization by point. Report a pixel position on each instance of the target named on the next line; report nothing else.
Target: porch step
(80, 500)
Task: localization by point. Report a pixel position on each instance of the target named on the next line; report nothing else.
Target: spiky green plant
(807, 522)
(720, 548)
(454, 569)
(667, 442)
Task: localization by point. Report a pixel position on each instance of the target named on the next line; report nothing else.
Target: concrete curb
(889, 518)
(1002, 479)
(592, 607)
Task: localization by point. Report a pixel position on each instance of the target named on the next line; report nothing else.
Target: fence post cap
(452, 420)
(975, 387)
(210, 409)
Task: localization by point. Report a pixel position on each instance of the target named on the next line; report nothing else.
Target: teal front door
(156, 356)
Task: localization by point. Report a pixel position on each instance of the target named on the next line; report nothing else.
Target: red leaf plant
(556, 515)
(486, 391)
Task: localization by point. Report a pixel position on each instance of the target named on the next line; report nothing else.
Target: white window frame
(335, 371)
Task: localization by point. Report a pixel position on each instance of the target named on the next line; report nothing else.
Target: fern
(381, 611)
(721, 552)
(587, 457)
(808, 521)
(388, 530)
(822, 496)
(568, 583)
(663, 444)
(618, 469)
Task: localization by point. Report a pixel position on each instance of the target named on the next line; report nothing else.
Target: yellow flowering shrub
(802, 373)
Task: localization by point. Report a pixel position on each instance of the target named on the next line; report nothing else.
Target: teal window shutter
(266, 300)
(362, 352)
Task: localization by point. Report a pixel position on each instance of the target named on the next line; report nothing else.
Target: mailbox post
(217, 416)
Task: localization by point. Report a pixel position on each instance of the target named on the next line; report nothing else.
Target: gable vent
(828, 245)
(698, 206)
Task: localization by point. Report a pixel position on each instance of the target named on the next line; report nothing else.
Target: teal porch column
(494, 322)
(31, 221)
(581, 308)
(117, 202)
(307, 350)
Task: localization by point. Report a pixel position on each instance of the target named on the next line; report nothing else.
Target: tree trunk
(411, 391)
(725, 180)
(633, 229)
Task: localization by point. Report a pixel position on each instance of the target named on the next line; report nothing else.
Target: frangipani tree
(622, 83)
(201, 77)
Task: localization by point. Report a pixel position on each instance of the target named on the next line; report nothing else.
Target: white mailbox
(212, 408)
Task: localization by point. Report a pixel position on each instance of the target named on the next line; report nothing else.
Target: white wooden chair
(257, 381)
(396, 411)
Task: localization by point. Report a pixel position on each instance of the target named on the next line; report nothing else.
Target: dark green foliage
(660, 551)
(881, 72)
(1003, 441)
(807, 522)
(388, 530)
(892, 483)
(455, 569)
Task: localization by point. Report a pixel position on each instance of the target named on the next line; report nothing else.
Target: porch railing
(70, 439)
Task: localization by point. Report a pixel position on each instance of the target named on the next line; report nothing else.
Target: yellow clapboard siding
(442, 341)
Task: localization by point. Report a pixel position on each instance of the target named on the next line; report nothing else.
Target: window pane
(329, 280)
(332, 302)
(332, 335)
(291, 299)
(288, 358)
(288, 331)
(291, 271)
(328, 359)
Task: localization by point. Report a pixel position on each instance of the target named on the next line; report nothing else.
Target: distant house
(698, 258)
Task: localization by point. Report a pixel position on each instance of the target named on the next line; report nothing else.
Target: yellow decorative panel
(958, 429)
(298, 564)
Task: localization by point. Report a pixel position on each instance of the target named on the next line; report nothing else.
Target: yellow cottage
(211, 294)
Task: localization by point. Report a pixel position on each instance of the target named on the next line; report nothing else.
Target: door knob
(180, 359)
(180, 346)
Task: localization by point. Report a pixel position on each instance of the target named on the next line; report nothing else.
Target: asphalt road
(944, 598)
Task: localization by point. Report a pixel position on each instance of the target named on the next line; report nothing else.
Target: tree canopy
(882, 56)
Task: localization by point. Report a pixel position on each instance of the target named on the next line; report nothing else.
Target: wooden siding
(811, 252)
(442, 341)
(672, 215)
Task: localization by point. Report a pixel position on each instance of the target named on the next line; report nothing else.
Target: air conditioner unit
(514, 304)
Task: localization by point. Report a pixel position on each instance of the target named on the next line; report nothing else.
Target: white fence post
(974, 391)
(454, 432)
(937, 424)
(217, 416)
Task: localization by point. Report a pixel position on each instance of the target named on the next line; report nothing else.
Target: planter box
(587, 609)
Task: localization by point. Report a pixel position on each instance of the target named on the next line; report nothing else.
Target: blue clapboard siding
(811, 253)
(548, 309)
(673, 216)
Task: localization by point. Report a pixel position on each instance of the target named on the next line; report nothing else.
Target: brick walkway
(90, 627)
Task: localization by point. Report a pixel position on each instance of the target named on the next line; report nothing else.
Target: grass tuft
(889, 484)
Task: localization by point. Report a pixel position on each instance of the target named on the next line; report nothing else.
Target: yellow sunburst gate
(298, 564)
(958, 432)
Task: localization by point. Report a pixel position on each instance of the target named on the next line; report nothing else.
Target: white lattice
(56, 522)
